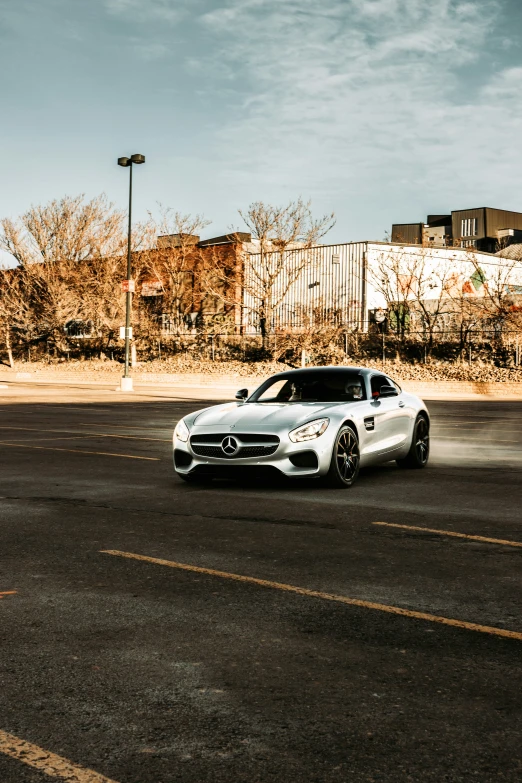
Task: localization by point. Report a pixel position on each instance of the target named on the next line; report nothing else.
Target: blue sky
(380, 110)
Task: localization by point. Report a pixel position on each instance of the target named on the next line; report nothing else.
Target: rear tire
(419, 453)
(344, 467)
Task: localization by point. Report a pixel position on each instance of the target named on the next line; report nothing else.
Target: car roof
(335, 369)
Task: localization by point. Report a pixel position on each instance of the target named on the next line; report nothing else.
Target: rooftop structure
(484, 228)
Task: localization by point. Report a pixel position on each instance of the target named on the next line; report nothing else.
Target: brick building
(187, 282)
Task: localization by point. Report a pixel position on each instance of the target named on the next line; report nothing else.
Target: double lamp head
(129, 161)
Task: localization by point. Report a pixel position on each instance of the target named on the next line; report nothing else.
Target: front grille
(207, 451)
(250, 445)
(241, 436)
(257, 451)
(245, 451)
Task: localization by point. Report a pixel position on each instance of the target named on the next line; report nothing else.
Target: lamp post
(126, 381)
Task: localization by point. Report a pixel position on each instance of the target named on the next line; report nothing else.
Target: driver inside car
(354, 390)
(296, 394)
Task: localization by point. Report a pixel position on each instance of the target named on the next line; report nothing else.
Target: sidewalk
(212, 387)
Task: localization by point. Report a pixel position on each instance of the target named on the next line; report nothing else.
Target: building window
(469, 243)
(469, 227)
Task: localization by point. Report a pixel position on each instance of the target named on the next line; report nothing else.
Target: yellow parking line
(127, 427)
(55, 437)
(501, 541)
(47, 762)
(130, 437)
(81, 434)
(78, 451)
(432, 618)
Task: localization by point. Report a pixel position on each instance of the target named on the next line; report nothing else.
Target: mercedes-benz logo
(229, 445)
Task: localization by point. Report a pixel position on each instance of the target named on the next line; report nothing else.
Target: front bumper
(308, 458)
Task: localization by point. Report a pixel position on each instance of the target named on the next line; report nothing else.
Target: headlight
(309, 431)
(182, 431)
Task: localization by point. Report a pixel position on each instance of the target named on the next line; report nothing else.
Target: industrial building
(345, 285)
(485, 229)
(338, 285)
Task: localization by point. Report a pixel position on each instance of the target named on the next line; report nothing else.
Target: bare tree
(464, 290)
(431, 299)
(72, 252)
(67, 229)
(500, 287)
(282, 238)
(415, 283)
(16, 311)
(395, 278)
(175, 264)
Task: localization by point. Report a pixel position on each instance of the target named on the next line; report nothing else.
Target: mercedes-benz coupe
(321, 422)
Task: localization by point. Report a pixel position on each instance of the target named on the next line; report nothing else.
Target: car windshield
(325, 386)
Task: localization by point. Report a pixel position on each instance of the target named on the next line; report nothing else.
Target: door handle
(401, 404)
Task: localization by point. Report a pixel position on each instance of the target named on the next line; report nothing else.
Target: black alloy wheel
(344, 467)
(422, 441)
(419, 452)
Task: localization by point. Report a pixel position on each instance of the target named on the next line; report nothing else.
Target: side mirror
(241, 395)
(388, 391)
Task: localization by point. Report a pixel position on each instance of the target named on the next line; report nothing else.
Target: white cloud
(368, 95)
(170, 11)
(504, 85)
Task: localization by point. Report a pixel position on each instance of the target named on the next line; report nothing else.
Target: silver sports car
(324, 422)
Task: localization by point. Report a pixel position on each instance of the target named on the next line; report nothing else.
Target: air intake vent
(305, 459)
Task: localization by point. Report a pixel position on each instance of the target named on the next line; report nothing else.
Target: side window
(376, 382)
(395, 385)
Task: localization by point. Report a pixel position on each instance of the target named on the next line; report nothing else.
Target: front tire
(346, 459)
(419, 453)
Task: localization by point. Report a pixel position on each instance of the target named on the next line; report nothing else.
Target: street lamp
(128, 286)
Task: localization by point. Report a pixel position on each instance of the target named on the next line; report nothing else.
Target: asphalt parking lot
(153, 631)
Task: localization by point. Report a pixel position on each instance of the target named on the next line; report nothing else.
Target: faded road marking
(127, 427)
(432, 618)
(472, 440)
(47, 762)
(55, 437)
(78, 451)
(81, 434)
(501, 541)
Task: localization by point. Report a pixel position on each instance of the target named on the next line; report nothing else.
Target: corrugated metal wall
(408, 233)
(329, 288)
(501, 218)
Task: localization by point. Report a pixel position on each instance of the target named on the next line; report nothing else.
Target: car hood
(262, 416)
